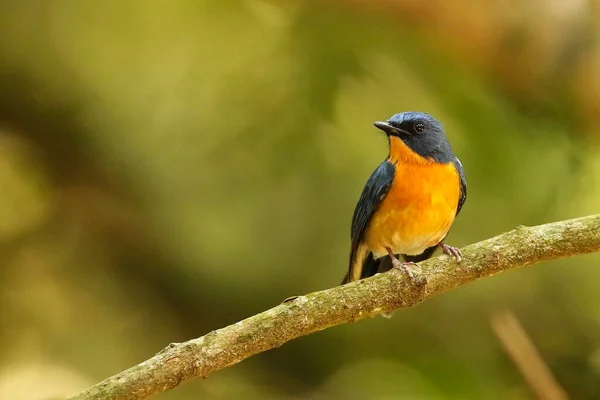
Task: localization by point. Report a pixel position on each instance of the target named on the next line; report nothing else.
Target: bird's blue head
(421, 132)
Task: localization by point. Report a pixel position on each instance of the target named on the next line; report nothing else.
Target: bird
(410, 201)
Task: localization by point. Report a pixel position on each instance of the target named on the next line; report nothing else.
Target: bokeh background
(170, 167)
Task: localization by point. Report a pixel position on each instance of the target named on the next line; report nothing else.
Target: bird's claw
(452, 252)
(404, 266)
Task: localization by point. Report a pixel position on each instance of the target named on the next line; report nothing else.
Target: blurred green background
(170, 167)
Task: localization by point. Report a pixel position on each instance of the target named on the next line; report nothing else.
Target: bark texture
(383, 293)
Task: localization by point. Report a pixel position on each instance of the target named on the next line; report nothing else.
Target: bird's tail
(421, 257)
(370, 266)
(346, 278)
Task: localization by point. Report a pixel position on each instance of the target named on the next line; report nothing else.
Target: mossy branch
(303, 315)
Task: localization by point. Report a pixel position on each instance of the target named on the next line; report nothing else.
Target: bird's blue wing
(463, 184)
(374, 192)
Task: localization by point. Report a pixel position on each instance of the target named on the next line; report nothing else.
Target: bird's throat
(400, 152)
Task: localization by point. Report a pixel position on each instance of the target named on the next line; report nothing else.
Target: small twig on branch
(383, 293)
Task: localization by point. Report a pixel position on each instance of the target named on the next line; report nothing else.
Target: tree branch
(302, 315)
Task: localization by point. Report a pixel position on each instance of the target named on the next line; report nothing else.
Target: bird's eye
(420, 127)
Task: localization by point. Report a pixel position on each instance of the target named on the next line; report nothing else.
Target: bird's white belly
(413, 247)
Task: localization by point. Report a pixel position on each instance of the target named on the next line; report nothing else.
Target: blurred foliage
(170, 167)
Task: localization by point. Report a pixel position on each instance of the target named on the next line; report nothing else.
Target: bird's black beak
(386, 127)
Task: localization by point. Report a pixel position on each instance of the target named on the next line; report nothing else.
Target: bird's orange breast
(419, 208)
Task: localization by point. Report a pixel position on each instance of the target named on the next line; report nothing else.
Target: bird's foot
(404, 266)
(451, 251)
